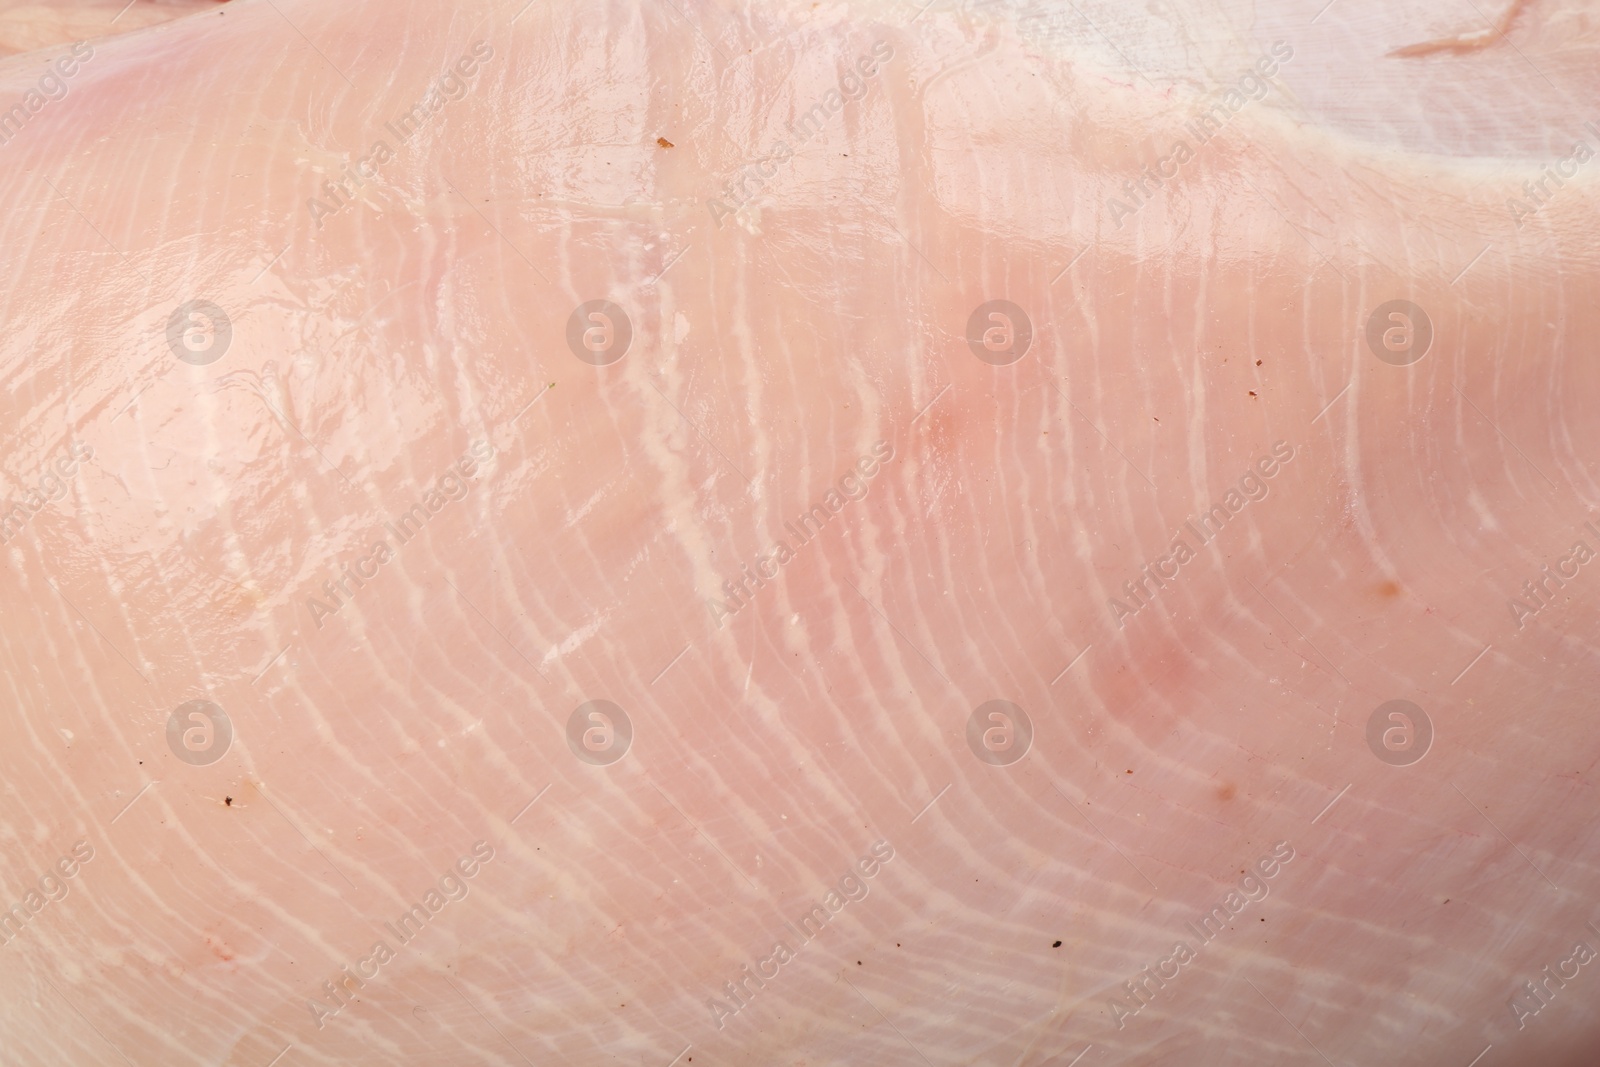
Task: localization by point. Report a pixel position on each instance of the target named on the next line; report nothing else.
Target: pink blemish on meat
(1467, 43)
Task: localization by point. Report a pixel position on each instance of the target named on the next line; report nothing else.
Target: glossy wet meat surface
(984, 535)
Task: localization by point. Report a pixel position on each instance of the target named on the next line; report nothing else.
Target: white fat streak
(575, 517)
(575, 640)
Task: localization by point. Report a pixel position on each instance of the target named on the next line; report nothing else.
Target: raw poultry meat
(659, 533)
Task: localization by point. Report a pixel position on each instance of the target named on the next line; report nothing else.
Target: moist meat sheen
(1011, 533)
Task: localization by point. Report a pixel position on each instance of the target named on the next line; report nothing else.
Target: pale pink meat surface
(385, 383)
(26, 25)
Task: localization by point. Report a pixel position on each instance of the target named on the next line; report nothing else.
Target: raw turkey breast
(1031, 535)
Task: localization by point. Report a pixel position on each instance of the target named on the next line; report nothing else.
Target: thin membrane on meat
(1014, 533)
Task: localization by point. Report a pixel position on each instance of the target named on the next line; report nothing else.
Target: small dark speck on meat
(1056, 945)
(663, 142)
(228, 801)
